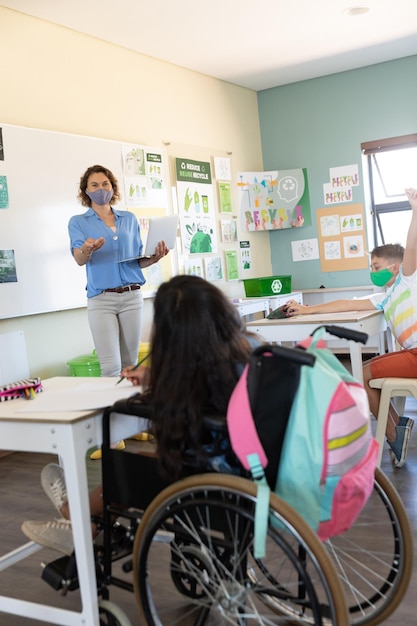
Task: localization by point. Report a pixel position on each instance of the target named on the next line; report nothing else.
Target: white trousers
(116, 324)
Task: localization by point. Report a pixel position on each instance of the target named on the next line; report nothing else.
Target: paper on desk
(84, 396)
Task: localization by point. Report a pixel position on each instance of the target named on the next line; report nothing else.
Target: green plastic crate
(267, 286)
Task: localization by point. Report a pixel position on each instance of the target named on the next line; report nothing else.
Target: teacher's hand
(91, 245)
(161, 250)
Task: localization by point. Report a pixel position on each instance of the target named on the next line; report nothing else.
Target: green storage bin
(85, 365)
(267, 286)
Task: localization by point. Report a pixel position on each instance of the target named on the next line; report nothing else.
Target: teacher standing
(100, 238)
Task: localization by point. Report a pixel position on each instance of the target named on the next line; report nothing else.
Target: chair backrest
(13, 357)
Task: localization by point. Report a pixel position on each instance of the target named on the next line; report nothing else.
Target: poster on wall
(232, 268)
(213, 267)
(342, 238)
(144, 177)
(339, 189)
(225, 197)
(245, 255)
(196, 206)
(273, 200)
(4, 193)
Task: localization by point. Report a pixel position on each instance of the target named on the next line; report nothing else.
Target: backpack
(300, 422)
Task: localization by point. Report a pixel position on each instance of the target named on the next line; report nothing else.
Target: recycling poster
(196, 206)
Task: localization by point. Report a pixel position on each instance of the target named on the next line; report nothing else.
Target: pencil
(32, 393)
(134, 368)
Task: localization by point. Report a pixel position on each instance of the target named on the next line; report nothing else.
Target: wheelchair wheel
(374, 558)
(112, 615)
(193, 563)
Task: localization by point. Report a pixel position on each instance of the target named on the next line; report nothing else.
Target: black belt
(123, 289)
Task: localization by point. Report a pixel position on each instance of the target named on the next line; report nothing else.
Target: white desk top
(320, 318)
(67, 399)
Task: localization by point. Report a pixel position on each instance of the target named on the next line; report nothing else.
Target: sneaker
(56, 534)
(53, 483)
(96, 455)
(399, 446)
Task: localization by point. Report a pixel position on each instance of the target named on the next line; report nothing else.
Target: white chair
(390, 388)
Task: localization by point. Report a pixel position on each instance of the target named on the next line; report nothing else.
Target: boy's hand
(411, 194)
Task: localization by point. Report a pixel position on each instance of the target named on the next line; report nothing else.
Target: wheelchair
(187, 549)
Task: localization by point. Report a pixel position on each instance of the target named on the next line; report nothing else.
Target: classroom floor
(22, 498)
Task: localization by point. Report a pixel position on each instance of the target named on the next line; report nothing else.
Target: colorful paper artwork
(273, 200)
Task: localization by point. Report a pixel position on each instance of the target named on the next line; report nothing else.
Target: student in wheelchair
(199, 348)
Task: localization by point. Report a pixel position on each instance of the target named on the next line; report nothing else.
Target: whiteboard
(43, 170)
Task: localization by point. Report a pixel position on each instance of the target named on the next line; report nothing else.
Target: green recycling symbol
(276, 286)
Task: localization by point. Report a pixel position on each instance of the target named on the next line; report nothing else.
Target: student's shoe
(143, 436)
(96, 455)
(399, 446)
(56, 534)
(53, 483)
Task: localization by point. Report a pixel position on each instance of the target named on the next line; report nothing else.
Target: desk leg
(73, 455)
(356, 360)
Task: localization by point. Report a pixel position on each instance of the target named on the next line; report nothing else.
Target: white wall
(56, 79)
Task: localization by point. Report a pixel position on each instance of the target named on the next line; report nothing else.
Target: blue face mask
(382, 277)
(100, 196)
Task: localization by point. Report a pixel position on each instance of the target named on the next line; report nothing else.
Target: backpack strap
(242, 432)
(262, 506)
(248, 448)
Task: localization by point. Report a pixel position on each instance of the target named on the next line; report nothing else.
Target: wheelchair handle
(345, 333)
(297, 355)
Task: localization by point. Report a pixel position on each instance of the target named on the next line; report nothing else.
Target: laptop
(160, 229)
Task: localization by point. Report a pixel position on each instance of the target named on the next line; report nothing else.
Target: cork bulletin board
(342, 238)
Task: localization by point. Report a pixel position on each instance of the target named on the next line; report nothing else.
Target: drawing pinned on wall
(154, 276)
(305, 250)
(144, 177)
(332, 250)
(213, 268)
(329, 225)
(4, 193)
(232, 269)
(349, 223)
(225, 197)
(344, 176)
(336, 196)
(229, 231)
(273, 200)
(194, 267)
(353, 247)
(8, 272)
(196, 206)
(222, 168)
(339, 189)
(245, 255)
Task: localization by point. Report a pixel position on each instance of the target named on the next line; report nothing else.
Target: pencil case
(20, 388)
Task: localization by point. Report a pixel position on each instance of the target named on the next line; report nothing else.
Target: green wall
(320, 123)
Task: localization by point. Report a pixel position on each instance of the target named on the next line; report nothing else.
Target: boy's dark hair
(391, 251)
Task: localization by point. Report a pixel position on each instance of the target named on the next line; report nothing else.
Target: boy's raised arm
(410, 251)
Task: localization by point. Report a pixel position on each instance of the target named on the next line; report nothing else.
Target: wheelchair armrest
(215, 422)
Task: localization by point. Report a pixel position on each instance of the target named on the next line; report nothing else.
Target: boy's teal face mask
(382, 277)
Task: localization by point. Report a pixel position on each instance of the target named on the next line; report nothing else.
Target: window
(392, 167)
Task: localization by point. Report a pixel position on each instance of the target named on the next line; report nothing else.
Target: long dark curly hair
(197, 341)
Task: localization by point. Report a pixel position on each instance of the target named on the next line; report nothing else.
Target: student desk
(251, 306)
(69, 434)
(301, 326)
